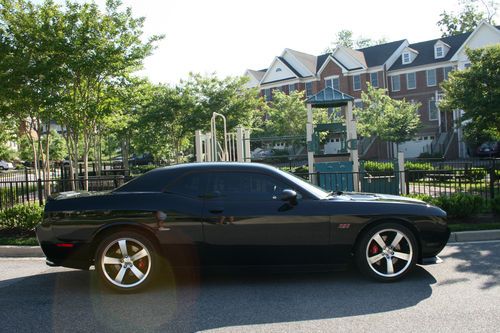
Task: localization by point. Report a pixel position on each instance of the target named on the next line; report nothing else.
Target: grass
(473, 226)
(24, 241)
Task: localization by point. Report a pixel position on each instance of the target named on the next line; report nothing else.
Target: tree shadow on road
(186, 302)
(478, 258)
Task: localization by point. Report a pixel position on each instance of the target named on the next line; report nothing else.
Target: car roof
(156, 180)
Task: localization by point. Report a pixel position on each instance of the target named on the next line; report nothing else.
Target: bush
(424, 197)
(475, 174)
(460, 204)
(495, 204)
(21, 217)
(373, 166)
(417, 170)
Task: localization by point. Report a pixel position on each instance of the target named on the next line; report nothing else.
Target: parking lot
(462, 294)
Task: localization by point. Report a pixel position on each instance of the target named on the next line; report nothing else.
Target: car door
(246, 223)
(179, 219)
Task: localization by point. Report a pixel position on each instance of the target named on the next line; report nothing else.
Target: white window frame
(392, 82)
(446, 75)
(427, 77)
(268, 94)
(437, 110)
(330, 79)
(307, 93)
(292, 87)
(408, 81)
(436, 51)
(354, 82)
(404, 60)
(371, 79)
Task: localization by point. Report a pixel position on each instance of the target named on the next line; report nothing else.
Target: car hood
(359, 196)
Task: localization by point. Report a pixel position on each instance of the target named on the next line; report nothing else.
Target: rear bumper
(77, 256)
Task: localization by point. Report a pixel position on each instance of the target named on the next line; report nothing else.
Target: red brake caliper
(141, 264)
(374, 249)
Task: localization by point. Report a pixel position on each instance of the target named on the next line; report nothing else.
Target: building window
(267, 93)
(278, 70)
(356, 82)
(446, 72)
(291, 88)
(374, 79)
(333, 83)
(358, 104)
(467, 65)
(395, 83)
(309, 89)
(411, 81)
(406, 58)
(438, 52)
(431, 77)
(433, 110)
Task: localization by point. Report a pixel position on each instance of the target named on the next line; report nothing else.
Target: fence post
(492, 180)
(40, 192)
(26, 177)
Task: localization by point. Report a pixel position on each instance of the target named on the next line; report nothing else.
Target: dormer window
(278, 70)
(406, 58)
(439, 53)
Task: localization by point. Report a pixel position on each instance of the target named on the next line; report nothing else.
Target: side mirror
(289, 195)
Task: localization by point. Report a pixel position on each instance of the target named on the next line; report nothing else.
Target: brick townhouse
(410, 71)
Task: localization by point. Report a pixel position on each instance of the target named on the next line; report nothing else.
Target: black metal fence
(23, 187)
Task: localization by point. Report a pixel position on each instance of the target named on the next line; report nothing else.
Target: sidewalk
(455, 237)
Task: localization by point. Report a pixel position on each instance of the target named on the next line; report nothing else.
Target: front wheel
(126, 261)
(387, 252)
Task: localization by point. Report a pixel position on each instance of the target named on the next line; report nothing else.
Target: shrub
(21, 217)
(495, 204)
(424, 197)
(417, 170)
(460, 204)
(475, 174)
(373, 166)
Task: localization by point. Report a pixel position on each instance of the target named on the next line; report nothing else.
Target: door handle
(216, 211)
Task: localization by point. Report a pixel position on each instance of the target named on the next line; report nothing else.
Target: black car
(220, 214)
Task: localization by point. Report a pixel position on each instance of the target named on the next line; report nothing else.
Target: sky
(227, 37)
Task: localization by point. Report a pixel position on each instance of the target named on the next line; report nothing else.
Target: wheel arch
(408, 224)
(109, 229)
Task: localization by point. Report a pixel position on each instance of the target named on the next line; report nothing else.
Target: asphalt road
(462, 294)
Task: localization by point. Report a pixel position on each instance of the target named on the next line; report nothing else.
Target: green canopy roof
(329, 97)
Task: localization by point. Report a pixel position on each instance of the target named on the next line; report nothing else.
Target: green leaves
(476, 91)
(468, 18)
(392, 120)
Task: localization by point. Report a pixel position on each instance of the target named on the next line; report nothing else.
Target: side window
(245, 186)
(190, 185)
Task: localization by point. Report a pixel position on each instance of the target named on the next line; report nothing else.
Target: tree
(227, 96)
(31, 70)
(7, 134)
(346, 38)
(391, 120)
(468, 18)
(476, 91)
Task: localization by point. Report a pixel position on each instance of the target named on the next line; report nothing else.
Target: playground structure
(235, 147)
(335, 168)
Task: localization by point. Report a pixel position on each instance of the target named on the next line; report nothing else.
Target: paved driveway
(460, 295)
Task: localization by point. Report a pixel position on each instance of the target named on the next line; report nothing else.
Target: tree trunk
(125, 155)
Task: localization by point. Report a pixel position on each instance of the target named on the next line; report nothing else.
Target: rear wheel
(126, 261)
(387, 252)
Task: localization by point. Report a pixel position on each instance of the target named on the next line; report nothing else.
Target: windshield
(313, 189)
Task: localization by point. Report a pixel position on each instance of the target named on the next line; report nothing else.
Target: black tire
(130, 272)
(389, 263)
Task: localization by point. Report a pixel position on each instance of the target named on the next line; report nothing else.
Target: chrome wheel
(389, 253)
(126, 262)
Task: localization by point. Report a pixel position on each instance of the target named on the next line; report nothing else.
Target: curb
(11, 251)
(474, 236)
